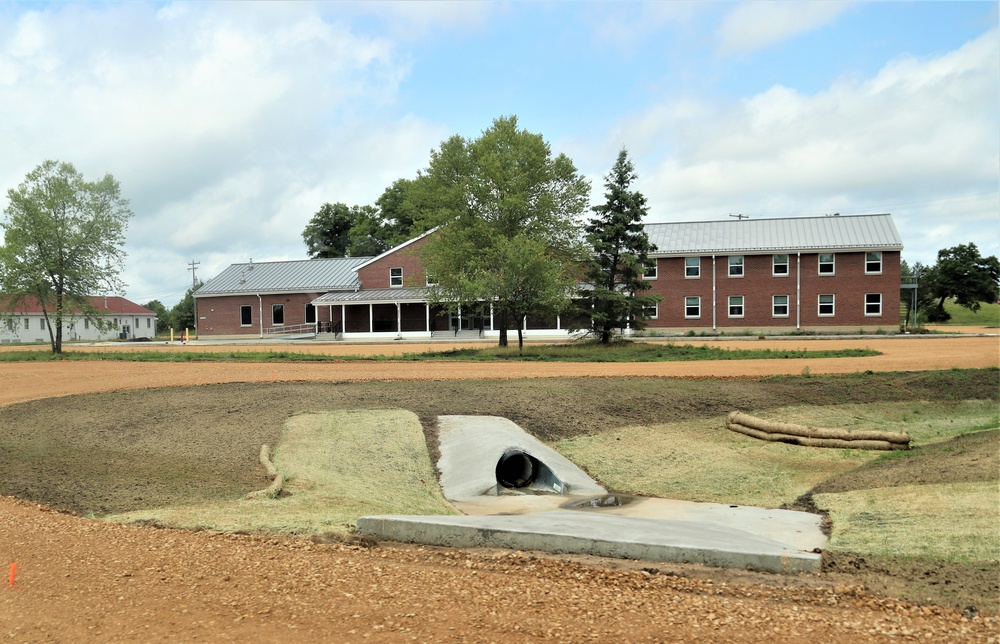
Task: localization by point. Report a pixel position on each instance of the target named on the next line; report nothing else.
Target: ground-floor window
(246, 315)
(692, 307)
(310, 314)
(735, 306)
(779, 306)
(650, 311)
(873, 304)
(826, 303)
(277, 314)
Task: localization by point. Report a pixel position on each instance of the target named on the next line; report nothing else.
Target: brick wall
(376, 274)
(221, 315)
(848, 284)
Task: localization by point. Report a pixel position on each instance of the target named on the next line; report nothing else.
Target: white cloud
(754, 25)
(917, 139)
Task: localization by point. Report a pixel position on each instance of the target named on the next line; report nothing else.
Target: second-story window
(736, 266)
(779, 265)
(395, 277)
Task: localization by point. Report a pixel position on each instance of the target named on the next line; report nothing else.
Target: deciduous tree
(965, 275)
(510, 237)
(63, 242)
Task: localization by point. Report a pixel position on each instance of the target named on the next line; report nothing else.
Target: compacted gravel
(78, 579)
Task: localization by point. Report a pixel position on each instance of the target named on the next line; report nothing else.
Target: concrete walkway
(579, 520)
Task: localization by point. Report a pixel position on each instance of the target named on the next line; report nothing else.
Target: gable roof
(856, 232)
(297, 276)
(398, 248)
(110, 305)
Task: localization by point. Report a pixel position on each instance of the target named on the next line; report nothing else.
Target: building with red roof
(127, 321)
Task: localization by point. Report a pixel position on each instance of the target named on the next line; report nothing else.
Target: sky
(229, 124)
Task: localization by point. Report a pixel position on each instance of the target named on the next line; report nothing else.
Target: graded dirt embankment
(83, 580)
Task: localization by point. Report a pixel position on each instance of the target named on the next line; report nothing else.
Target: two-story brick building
(736, 276)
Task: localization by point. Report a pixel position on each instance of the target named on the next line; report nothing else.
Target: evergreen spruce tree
(621, 249)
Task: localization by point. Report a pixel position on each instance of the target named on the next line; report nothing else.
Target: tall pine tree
(621, 249)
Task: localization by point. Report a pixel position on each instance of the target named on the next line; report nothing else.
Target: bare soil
(148, 438)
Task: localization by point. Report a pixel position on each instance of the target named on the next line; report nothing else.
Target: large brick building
(738, 276)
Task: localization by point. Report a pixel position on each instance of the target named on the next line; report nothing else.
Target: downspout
(714, 325)
(798, 291)
(260, 315)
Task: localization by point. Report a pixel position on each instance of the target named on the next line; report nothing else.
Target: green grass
(988, 315)
(571, 352)
(338, 466)
(703, 461)
(630, 352)
(950, 522)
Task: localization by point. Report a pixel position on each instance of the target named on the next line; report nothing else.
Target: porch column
(427, 318)
(399, 318)
(558, 323)
(371, 318)
(343, 318)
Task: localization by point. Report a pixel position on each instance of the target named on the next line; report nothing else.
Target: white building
(127, 320)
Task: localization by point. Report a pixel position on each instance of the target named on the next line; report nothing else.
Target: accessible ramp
(518, 493)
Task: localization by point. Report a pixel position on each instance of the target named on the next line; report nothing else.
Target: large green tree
(963, 274)
(620, 253)
(63, 242)
(339, 230)
(510, 235)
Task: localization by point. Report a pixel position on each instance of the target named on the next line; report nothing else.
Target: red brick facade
(380, 274)
(798, 288)
(223, 315)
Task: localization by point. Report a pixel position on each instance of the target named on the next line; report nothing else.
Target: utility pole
(193, 266)
(739, 216)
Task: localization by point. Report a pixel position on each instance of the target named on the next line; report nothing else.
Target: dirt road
(78, 579)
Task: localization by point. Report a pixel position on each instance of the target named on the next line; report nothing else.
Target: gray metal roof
(861, 232)
(299, 276)
(374, 296)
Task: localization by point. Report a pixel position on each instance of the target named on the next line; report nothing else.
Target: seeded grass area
(957, 522)
(566, 352)
(703, 461)
(338, 466)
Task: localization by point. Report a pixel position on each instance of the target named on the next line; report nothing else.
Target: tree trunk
(503, 330)
(520, 336)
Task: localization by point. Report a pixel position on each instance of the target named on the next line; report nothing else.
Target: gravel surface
(79, 579)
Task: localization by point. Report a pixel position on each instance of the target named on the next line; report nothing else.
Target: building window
(27, 324)
(692, 307)
(431, 280)
(826, 265)
(735, 306)
(86, 323)
(395, 277)
(692, 267)
(779, 265)
(873, 262)
(873, 304)
(310, 314)
(246, 315)
(736, 266)
(277, 314)
(826, 305)
(779, 306)
(650, 271)
(149, 323)
(650, 311)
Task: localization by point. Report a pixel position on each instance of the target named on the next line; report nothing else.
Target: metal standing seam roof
(862, 232)
(374, 296)
(286, 277)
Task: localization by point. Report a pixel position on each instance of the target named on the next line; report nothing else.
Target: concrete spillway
(518, 493)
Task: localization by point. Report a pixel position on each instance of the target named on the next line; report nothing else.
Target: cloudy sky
(228, 124)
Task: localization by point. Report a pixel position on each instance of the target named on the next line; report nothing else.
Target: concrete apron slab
(644, 528)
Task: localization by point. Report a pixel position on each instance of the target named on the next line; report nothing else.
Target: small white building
(127, 320)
